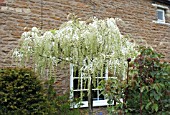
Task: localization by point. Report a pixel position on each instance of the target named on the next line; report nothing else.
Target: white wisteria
(88, 45)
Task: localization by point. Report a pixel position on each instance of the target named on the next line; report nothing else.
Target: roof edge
(167, 2)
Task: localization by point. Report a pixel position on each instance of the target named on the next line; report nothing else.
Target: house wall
(138, 15)
(17, 16)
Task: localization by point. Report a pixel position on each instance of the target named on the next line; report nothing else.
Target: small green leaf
(155, 107)
(167, 105)
(157, 97)
(156, 88)
(143, 107)
(99, 87)
(147, 106)
(142, 89)
(5, 99)
(110, 101)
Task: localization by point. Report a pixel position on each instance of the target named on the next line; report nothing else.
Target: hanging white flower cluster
(89, 45)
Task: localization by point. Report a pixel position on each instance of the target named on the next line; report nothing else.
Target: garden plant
(21, 92)
(146, 89)
(90, 45)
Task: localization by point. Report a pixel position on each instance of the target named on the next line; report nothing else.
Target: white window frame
(165, 8)
(163, 14)
(85, 103)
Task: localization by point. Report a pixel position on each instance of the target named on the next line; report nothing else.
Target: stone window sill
(162, 23)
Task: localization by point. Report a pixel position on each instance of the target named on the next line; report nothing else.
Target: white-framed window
(160, 15)
(161, 11)
(79, 87)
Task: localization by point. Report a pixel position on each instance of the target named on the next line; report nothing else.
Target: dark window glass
(160, 15)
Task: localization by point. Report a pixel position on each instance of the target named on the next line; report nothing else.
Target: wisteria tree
(88, 45)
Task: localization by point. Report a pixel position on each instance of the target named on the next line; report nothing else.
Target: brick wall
(17, 16)
(138, 15)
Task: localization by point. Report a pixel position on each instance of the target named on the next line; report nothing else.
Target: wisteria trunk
(90, 97)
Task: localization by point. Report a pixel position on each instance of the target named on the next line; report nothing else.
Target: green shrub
(151, 79)
(59, 104)
(147, 90)
(21, 92)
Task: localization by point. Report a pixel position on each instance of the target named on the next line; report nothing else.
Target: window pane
(76, 84)
(76, 72)
(101, 73)
(85, 83)
(101, 96)
(160, 15)
(76, 94)
(96, 83)
(95, 94)
(85, 96)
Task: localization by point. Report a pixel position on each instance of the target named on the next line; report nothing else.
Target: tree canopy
(90, 45)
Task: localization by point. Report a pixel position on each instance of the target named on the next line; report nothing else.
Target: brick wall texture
(16, 16)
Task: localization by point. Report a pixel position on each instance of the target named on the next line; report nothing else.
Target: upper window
(79, 87)
(161, 15)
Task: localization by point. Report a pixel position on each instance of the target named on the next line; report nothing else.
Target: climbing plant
(88, 45)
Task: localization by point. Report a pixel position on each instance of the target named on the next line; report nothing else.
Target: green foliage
(149, 77)
(154, 77)
(59, 104)
(114, 90)
(20, 92)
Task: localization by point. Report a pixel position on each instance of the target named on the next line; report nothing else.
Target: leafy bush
(151, 80)
(21, 92)
(146, 90)
(59, 104)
